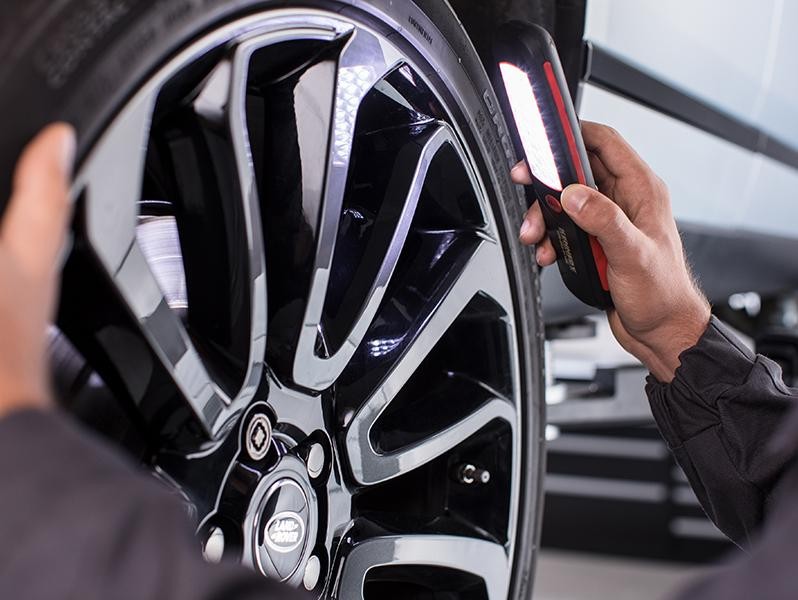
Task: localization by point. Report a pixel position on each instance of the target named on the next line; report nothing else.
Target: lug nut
(312, 573)
(315, 461)
(469, 474)
(258, 438)
(213, 551)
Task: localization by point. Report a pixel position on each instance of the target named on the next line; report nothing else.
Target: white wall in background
(778, 112)
(739, 55)
(712, 182)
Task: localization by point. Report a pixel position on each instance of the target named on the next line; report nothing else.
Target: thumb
(34, 226)
(601, 217)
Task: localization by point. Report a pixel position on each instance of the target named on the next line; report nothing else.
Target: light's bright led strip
(530, 125)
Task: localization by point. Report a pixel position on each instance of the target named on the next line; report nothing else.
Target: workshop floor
(572, 576)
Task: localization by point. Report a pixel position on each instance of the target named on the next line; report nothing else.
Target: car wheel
(294, 290)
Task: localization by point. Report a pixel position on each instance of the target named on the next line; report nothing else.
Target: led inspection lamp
(551, 138)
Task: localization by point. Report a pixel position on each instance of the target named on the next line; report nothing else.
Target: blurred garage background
(708, 93)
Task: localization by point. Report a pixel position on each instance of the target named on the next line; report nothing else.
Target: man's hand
(31, 238)
(659, 310)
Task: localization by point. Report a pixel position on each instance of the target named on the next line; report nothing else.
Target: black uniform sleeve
(726, 416)
(767, 571)
(78, 521)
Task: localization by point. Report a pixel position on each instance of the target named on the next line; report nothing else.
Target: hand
(659, 310)
(31, 238)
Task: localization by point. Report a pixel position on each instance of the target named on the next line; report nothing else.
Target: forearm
(721, 416)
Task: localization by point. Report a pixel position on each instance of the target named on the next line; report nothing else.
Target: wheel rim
(385, 360)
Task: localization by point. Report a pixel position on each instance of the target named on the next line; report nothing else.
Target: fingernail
(518, 171)
(574, 197)
(537, 255)
(525, 227)
(68, 148)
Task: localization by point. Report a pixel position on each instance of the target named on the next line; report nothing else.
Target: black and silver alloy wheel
(295, 293)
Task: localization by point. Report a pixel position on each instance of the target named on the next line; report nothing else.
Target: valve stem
(469, 474)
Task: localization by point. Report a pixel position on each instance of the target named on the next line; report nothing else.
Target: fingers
(612, 149)
(34, 225)
(520, 174)
(611, 157)
(545, 255)
(605, 181)
(599, 216)
(533, 229)
(617, 167)
(620, 173)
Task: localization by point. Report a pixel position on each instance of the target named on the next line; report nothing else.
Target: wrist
(15, 397)
(9, 408)
(680, 334)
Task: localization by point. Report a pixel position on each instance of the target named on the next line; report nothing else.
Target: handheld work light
(549, 133)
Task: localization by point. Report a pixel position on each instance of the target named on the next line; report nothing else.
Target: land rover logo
(285, 532)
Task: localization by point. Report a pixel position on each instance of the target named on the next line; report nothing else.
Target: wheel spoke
(368, 465)
(238, 129)
(484, 559)
(113, 182)
(364, 61)
(374, 467)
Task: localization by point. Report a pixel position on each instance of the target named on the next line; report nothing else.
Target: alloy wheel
(303, 311)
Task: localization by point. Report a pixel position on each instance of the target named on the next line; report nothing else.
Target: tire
(482, 19)
(81, 61)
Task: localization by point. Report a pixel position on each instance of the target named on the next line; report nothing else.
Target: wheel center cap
(282, 536)
(282, 521)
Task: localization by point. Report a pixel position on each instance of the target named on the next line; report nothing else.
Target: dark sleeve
(726, 417)
(78, 521)
(767, 571)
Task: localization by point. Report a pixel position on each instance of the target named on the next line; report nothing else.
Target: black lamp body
(547, 129)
